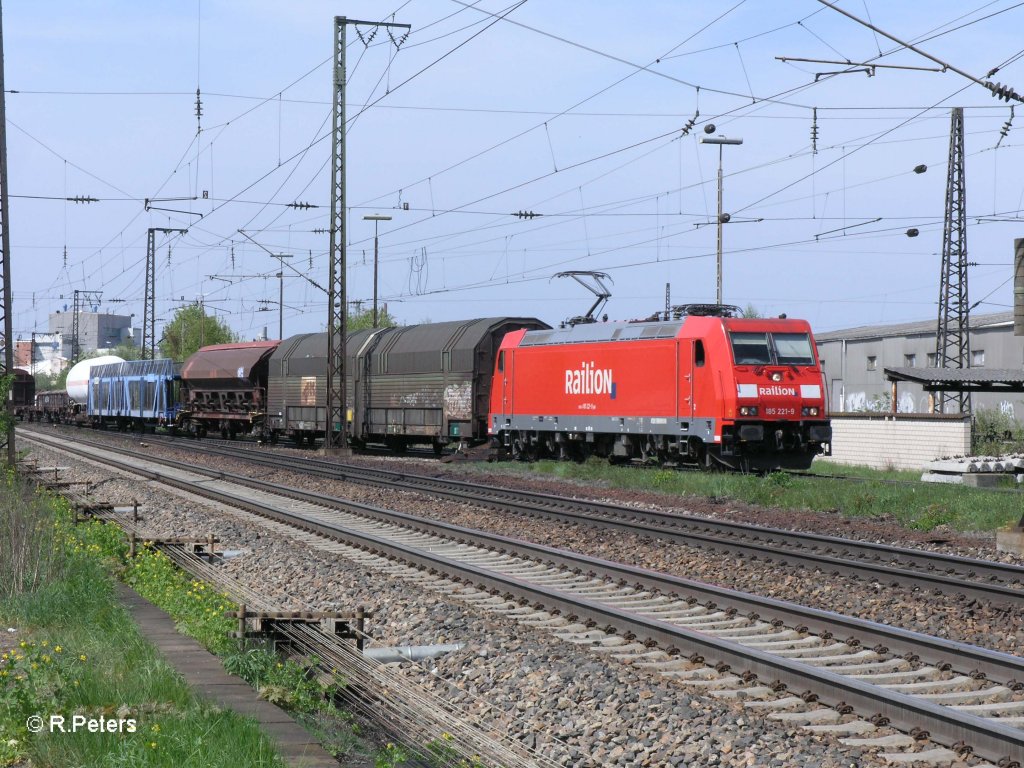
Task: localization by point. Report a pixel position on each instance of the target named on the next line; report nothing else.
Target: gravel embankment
(943, 616)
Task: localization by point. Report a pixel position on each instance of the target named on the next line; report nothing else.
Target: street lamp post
(375, 218)
(722, 217)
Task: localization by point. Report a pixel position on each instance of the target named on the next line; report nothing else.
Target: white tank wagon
(78, 377)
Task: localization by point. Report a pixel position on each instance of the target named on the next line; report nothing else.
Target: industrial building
(40, 354)
(853, 361)
(95, 330)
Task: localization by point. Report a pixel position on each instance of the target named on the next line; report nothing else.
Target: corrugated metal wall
(426, 382)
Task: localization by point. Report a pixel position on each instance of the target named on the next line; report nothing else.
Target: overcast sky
(573, 111)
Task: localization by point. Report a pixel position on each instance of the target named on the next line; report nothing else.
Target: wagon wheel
(523, 449)
(649, 453)
(515, 446)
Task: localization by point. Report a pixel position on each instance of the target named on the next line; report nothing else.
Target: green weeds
(894, 496)
(285, 683)
(79, 653)
(31, 552)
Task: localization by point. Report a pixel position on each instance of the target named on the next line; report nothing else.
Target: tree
(47, 382)
(190, 329)
(361, 319)
(751, 312)
(127, 351)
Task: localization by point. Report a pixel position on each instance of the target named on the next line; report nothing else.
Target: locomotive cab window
(501, 361)
(750, 348)
(698, 353)
(793, 349)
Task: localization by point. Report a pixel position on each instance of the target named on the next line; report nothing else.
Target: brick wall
(903, 441)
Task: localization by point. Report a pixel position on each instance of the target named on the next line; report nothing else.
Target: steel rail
(987, 737)
(833, 555)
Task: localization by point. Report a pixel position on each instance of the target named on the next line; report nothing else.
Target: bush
(994, 433)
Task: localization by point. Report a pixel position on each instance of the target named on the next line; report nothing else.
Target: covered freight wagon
(224, 387)
(23, 393)
(419, 384)
(297, 385)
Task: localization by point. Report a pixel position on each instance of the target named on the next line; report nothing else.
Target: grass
(79, 652)
(199, 610)
(920, 506)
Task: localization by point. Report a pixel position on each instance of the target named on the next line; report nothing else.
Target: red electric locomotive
(706, 388)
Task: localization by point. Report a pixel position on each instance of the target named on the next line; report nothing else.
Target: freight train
(704, 388)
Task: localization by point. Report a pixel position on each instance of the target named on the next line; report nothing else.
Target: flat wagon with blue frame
(134, 394)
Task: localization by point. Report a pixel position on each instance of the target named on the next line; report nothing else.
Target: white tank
(78, 377)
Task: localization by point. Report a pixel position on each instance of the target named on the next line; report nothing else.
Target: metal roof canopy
(960, 379)
(916, 328)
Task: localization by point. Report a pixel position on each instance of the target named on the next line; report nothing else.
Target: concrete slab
(940, 756)
(811, 717)
(982, 479)
(893, 740)
(854, 727)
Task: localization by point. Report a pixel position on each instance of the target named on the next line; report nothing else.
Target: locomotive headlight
(748, 410)
(810, 410)
(777, 376)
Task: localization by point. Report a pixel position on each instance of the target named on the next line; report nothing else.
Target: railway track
(963, 696)
(933, 573)
(386, 700)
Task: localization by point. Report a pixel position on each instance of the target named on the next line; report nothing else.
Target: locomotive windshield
(751, 348)
(793, 349)
(771, 349)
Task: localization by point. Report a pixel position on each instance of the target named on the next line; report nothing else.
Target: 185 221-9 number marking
(780, 411)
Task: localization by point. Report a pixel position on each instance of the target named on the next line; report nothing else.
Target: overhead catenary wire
(998, 90)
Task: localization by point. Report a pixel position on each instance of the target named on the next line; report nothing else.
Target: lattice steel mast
(336, 427)
(7, 435)
(149, 305)
(82, 298)
(952, 342)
